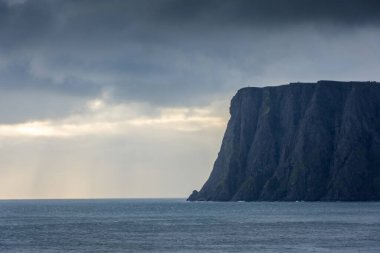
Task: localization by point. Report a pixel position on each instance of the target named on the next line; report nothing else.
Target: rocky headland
(301, 141)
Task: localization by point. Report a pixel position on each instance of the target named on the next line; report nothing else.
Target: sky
(130, 98)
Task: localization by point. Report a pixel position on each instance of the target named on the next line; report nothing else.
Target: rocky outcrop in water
(301, 141)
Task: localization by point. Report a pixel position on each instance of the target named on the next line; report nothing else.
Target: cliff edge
(301, 141)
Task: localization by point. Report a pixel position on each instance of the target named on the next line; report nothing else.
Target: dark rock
(193, 196)
(301, 141)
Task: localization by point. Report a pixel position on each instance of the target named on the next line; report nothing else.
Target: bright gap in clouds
(112, 150)
(100, 118)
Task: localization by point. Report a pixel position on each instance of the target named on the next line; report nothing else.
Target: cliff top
(320, 82)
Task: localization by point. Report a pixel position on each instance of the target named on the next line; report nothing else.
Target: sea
(174, 225)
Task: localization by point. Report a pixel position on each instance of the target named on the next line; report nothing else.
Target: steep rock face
(300, 141)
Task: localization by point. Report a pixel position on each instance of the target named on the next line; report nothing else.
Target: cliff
(301, 141)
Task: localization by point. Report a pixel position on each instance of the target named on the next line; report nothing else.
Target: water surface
(174, 225)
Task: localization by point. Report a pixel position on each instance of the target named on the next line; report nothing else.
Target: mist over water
(173, 225)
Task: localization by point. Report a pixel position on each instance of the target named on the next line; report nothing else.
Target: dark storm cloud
(269, 12)
(41, 22)
(165, 52)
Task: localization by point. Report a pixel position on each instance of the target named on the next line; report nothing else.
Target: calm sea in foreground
(174, 225)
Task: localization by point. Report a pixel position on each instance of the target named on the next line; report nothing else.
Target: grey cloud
(266, 13)
(169, 52)
(67, 23)
(19, 106)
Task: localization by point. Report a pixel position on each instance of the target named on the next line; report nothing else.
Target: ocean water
(174, 225)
